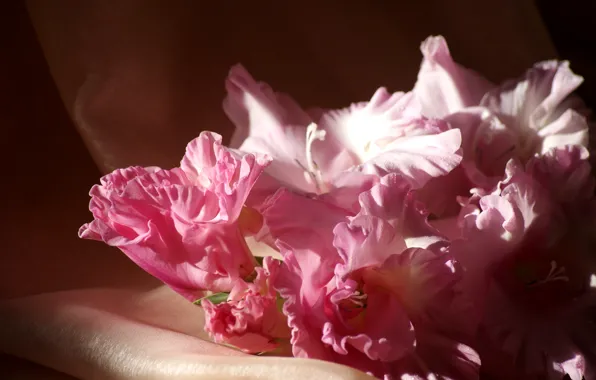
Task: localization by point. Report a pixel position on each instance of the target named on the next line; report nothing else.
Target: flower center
(539, 278)
(352, 306)
(347, 305)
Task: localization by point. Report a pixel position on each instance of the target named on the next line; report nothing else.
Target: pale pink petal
(364, 128)
(387, 134)
(443, 86)
(347, 187)
(538, 97)
(539, 106)
(365, 241)
(254, 107)
(569, 129)
(575, 367)
(418, 158)
(269, 123)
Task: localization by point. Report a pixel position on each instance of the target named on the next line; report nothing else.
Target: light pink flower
(271, 123)
(375, 290)
(250, 319)
(181, 225)
(531, 266)
(518, 119)
(311, 149)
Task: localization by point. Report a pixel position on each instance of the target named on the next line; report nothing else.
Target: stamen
(555, 274)
(312, 173)
(359, 299)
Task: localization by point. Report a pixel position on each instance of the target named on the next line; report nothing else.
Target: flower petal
(418, 158)
(269, 123)
(443, 86)
(228, 174)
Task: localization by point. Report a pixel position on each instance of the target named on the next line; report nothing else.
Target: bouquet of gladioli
(445, 232)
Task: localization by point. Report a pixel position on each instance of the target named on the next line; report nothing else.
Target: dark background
(572, 27)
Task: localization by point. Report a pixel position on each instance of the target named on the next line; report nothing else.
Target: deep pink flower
(181, 225)
(312, 150)
(250, 319)
(377, 290)
(531, 268)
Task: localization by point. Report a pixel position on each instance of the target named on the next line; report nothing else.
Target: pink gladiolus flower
(250, 319)
(311, 149)
(531, 265)
(518, 119)
(181, 225)
(377, 291)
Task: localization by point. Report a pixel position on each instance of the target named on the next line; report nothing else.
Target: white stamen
(312, 173)
(359, 299)
(593, 281)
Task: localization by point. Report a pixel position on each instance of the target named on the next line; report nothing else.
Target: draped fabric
(89, 86)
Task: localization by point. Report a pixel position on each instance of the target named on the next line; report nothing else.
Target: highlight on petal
(540, 105)
(388, 134)
(418, 158)
(365, 128)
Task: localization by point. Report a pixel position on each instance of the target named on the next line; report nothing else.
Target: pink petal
(363, 126)
(540, 102)
(365, 241)
(176, 226)
(393, 201)
(536, 98)
(443, 86)
(307, 233)
(250, 318)
(227, 174)
(575, 367)
(565, 172)
(569, 129)
(268, 123)
(388, 336)
(306, 340)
